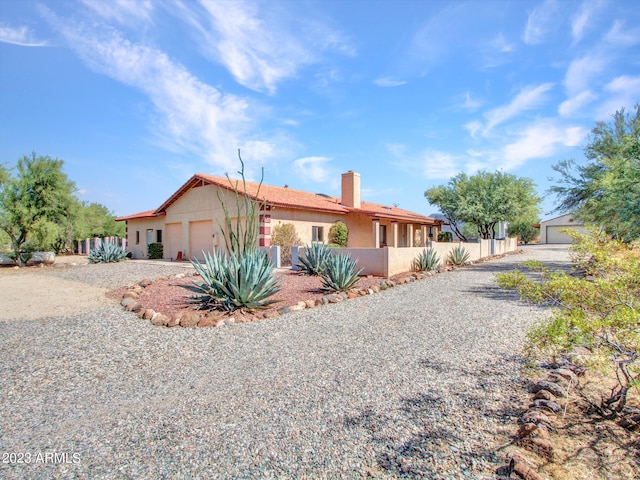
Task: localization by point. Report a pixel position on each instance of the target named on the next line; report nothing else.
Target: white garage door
(173, 244)
(200, 238)
(555, 236)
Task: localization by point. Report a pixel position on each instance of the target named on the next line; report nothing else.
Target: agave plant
(340, 273)
(232, 282)
(458, 256)
(107, 252)
(315, 259)
(428, 259)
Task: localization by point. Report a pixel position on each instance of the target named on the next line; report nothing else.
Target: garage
(200, 238)
(173, 243)
(551, 229)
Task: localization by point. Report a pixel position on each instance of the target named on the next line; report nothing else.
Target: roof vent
(387, 207)
(323, 195)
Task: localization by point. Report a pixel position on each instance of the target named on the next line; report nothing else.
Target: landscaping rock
(209, 321)
(190, 320)
(310, 303)
(566, 374)
(145, 283)
(159, 319)
(537, 417)
(522, 467)
(131, 294)
(148, 314)
(544, 395)
(549, 405)
(540, 446)
(532, 430)
(554, 388)
(174, 321)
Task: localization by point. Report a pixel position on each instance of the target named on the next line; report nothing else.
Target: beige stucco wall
(304, 221)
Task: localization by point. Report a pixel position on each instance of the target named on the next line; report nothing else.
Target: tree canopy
(36, 205)
(485, 199)
(39, 209)
(606, 190)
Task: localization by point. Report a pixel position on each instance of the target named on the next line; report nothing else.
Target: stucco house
(550, 230)
(190, 221)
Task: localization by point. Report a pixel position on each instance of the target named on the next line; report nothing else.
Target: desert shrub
(315, 258)
(339, 234)
(428, 259)
(235, 281)
(340, 273)
(107, 252)
(155, 251)
(458, 256)
(525, 231)
(598, 307)
(445, 237)
(285, 236)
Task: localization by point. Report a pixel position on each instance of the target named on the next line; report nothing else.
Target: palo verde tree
(36, 205)
(606, 190)
(483, 200)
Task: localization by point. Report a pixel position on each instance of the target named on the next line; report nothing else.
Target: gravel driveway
(416, 380)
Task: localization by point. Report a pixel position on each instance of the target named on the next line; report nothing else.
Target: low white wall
(389, 261)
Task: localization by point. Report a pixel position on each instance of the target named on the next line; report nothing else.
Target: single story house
(550, 230)
(190, 221)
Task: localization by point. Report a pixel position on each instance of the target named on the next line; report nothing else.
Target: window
(383, 234)
(317, 234)
(159, 236)
(149, 236)
(137, 237)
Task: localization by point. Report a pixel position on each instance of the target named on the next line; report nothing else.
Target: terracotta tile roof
(288, 198)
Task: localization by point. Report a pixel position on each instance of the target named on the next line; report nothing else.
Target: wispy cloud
(315, 169)
(500, 44)
(19, 36)
(581, 72)
(191, 115)
(581, 20)
(540, 22)
(622, 36)
(471, 104)
(528, 98)
(122, 11)
(543, 139)
(575, 104)
(260, 45)
(622, 91)
(388, 82)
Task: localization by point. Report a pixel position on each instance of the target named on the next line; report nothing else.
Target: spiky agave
(458, 256)
(236, 281)
(340, 273)
(314, 261)
(428, 259)
(107, 252)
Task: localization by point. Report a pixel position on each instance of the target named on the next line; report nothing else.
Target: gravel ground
(418, 380)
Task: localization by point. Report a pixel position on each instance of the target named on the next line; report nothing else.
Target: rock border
(131, 295)
(549, 398)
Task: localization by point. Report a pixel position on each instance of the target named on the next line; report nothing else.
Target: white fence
(83, 247)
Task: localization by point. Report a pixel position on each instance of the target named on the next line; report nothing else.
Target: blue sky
(137, 95)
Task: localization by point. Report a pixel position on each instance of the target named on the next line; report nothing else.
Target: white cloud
(470, 103)
(582, 18)
(438, 165)
(122, 11)
(388, 82)
(473, 127)
(313, 168)
(574, 104)
(623, 91)
(581, 72)
(19, 36)
(259, 45)
(500, 43)
(621, 37)
(528, 98)
(540, 22)
(540, 140)
(192, 117)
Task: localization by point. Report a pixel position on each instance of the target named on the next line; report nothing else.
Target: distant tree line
(39, 209)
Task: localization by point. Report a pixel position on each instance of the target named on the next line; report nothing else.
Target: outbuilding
(551, 229)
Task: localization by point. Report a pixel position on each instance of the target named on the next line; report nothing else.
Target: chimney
(351, 189)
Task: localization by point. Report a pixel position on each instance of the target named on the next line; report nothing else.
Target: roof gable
(287, 198)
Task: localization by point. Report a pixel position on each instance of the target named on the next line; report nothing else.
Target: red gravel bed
(170, 297)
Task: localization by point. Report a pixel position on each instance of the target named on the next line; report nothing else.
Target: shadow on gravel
(441, 433)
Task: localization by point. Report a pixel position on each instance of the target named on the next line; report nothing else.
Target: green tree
(94, 219)
(606, 190)
(524, 229)
(36, 205)
(483, 200)
(285, 236)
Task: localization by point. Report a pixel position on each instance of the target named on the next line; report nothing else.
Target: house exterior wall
(304, 221)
